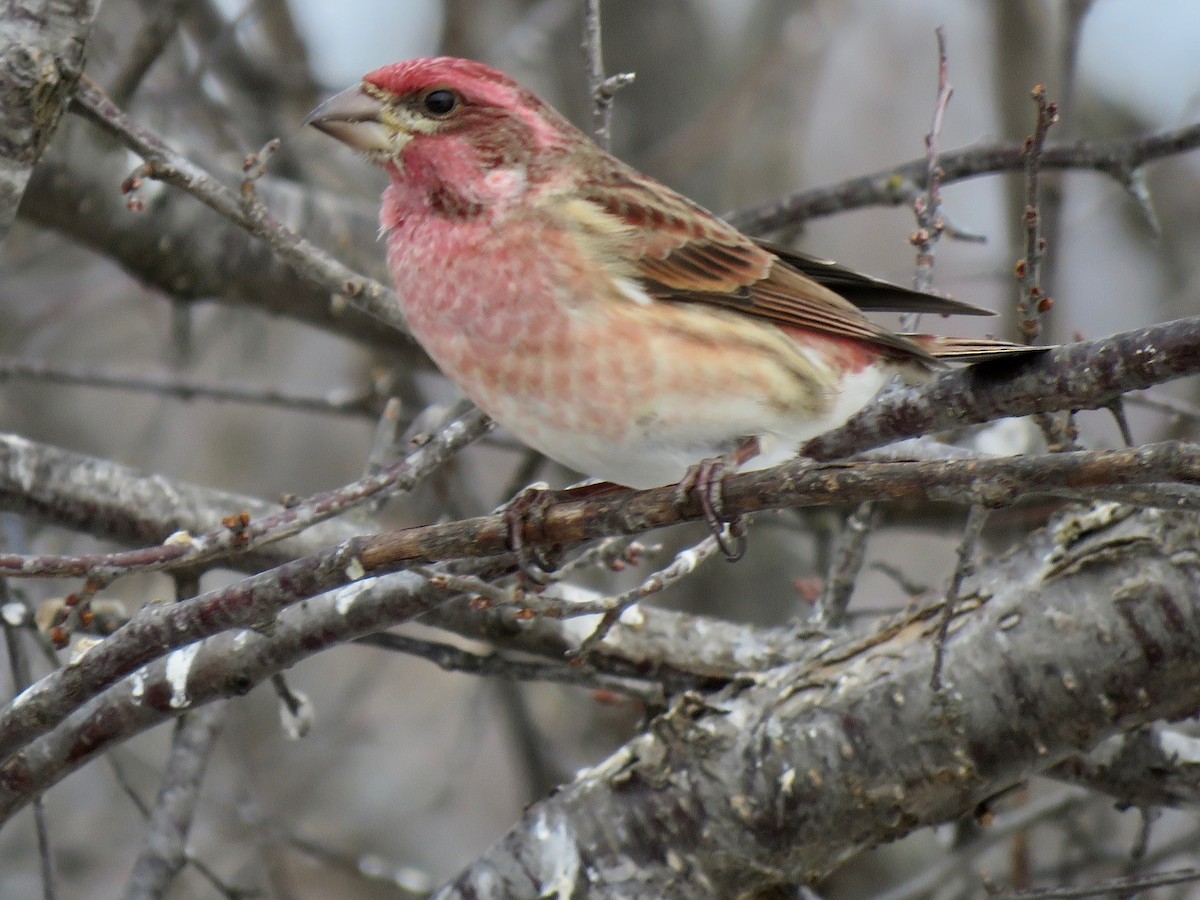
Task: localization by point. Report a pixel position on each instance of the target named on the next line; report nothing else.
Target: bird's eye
(440, 102)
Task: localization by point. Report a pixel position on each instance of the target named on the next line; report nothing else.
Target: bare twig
(162, 21)
(1120, 159)
(802, 483)
(1033, 302)
(386, 440)
(1117, 408)
(409, 880)
(501, 665)
(164, 164)
(928, 208)
(1165, 403)
(964, 568)
(164, 852)
(684, 564)
(336, 402)
(1086, 375)
(1108, 887)
(1004, 828)
(847, 563)
(239, 532)
(603, 87)
(18, 663)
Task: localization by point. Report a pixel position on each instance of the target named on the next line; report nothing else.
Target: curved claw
(534, 563)
(705, 481)
(731, 539)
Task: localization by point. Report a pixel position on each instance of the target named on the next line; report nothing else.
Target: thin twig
(928, 208)
(335, 402)
(851, 550)
(847, 563)
(1033, 302)
(239, 533)
(22, 675)
(162, 163)
(164, 852)
(1004, 827)
(963, 569)
(603, 87)
(162, 21)
(1119, 158)
(1117, 408)
(1164, 403)
(1108, 887)
(684, 564)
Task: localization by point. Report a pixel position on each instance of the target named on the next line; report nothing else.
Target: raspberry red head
(474, 82)
(407, 114)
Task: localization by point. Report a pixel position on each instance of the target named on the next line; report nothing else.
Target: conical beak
(353, 117)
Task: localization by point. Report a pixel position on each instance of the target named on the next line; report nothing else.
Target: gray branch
(41, 57)
(164, 851)
(775, 780)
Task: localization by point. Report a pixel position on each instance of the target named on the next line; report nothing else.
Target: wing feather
(685, 254)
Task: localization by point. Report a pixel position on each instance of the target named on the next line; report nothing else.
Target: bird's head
(454, 112)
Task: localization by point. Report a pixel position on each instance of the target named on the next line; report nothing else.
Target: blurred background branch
(119, 306)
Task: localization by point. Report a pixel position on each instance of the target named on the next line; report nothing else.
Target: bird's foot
(705, 481)
(537, 563)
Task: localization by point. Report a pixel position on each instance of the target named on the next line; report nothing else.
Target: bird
(600, 316)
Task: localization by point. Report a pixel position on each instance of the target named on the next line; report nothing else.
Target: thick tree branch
(1083, 375)
(777, 779)
(42, 44)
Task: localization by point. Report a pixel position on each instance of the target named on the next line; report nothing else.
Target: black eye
(440, 102)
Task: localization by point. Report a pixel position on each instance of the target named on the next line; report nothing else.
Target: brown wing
(686, 254)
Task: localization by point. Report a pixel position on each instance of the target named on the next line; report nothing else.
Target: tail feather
(971, 350)
(869, 293)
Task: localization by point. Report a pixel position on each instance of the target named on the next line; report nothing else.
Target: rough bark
(1091, 628)
(42, 45)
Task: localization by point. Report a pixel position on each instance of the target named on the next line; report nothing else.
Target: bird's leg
(529, 508)
(705, 481)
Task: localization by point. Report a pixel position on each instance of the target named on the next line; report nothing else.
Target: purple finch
(600, 316)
